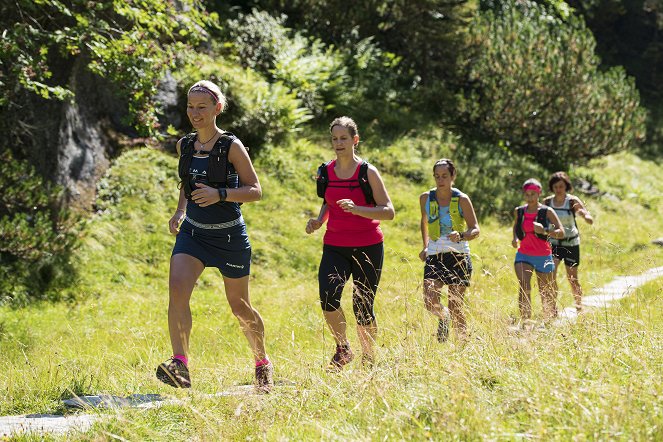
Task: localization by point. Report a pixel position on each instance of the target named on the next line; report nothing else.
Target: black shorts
(364, 264)
(450, 268)
(569, 254)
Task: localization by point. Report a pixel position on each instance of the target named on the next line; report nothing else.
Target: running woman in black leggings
(352, 243)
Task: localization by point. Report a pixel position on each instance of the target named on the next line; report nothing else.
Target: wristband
(223, 194)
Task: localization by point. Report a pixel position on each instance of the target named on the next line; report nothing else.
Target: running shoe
(174, 373)
(367, 361)
(443, 330)
(342, 357)
(264, 378)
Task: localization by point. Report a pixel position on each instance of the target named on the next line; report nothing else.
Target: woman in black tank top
(211, 233)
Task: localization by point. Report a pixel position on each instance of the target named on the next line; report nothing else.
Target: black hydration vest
(541, 218)
(322, 181)
(218, 167)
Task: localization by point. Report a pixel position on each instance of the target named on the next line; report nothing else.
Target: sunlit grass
(599, 378)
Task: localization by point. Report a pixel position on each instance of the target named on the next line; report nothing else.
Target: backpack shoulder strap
(542, 215)
(322, 179)
(218, 158)
(364, 184)
(548, 201)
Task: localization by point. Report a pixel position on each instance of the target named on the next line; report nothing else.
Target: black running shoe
(264, 378)
(443, 330)
(174, 373)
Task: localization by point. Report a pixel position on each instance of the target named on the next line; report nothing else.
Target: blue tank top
(216, 213)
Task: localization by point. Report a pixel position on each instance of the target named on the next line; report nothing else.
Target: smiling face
(443, 178)
(202, 110)
(342, 140)
(559, 189)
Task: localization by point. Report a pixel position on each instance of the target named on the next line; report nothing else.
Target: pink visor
(533, 187)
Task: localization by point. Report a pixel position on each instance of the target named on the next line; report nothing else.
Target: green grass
(597, 379)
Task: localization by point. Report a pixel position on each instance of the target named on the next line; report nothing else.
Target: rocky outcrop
(74, 141)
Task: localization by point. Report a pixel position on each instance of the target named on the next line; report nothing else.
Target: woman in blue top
(448, 222)
(217, 175)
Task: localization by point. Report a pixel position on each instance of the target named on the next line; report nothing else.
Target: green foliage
(130, 43)
(35, 237)
(313, 71)
(628, 34)
(258, 112)
(533, 82)
(490, 174)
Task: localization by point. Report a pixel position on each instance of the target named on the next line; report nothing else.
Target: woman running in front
(353, 242)
(211, 232)
(534, 225)
(567, 249)
(448, 222)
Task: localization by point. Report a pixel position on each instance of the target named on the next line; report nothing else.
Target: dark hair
(446, 163)
(345, 122)
(560, 176)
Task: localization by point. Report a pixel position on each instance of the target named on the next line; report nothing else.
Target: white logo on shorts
(234, 265)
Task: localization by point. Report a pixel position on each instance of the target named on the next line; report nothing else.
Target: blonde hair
(206, 86)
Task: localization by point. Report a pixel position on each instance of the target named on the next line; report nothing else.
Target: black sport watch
(223, 194)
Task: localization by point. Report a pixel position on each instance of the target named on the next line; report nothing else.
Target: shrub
(258, 112)
(532, 81)
(313, 71)
(36, 238)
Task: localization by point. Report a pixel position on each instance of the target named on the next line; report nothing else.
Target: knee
(364, 315)
(329, 303)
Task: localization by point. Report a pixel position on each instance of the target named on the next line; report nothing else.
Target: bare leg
(367, 337)
(184, 272)
(237, 293)
(524, 274)
(548, 298)
(432, 293)
(336, 321)
(456, 301)
(572, 276)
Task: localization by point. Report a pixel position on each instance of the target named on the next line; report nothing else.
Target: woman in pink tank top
(535, 223)
(353, 242)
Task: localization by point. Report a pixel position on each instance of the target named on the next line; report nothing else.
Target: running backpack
(322, 181)
(548, 202)
(433, 213)
(541, 218)
(218, 167)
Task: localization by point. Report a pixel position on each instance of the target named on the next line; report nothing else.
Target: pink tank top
(531, 244)
(346, 229)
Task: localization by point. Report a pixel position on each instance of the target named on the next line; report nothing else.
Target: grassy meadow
(600, 378)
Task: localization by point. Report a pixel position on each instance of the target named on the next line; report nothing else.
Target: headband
(206, 90)
(533, 187)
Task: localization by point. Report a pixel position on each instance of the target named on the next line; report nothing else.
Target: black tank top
(216, 213)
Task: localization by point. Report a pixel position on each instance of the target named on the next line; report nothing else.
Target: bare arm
(578, 207)
(514, 240)
(314, 224)
(553, 219)
(178, 216)
(383, 210)
(424, 225)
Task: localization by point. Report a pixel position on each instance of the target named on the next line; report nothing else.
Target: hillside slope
(599, 378)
